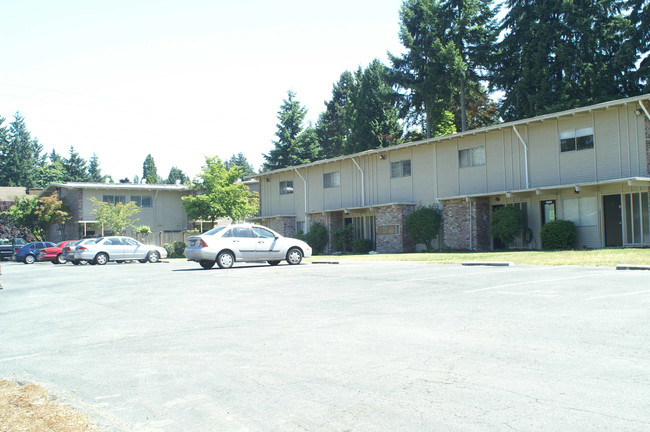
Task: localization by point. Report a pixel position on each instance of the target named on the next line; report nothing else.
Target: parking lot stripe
(619, 295)
(448, 275)
(529, 282)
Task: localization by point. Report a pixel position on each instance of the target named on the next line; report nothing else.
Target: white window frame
(471, 157)
(331, 180)
(400, 168)
(286, 187)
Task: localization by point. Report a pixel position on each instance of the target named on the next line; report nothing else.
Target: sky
(178, 80)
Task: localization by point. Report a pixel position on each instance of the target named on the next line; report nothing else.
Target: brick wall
(394, 243)
(284, 225)
(466, 224)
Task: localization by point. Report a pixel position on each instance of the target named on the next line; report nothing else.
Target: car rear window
(214, 230)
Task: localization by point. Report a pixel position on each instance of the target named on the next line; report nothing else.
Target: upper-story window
(286, 187)
(114, 199)
(331, 179)
(471, 157)
(145, 201)
(576, 139)
(400, 169)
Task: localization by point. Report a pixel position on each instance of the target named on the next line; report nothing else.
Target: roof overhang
(629, 181)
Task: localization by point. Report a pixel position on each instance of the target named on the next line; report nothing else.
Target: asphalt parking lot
(348, 347)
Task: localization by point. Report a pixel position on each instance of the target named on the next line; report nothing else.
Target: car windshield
(214, 230)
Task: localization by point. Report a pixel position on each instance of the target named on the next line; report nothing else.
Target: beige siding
(607, 137)
(495, 161)
(447, 168)
(401, 188)
(422, 164)
(543, 155)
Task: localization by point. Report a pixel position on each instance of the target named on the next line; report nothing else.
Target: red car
(54, 254)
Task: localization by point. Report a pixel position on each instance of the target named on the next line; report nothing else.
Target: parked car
(8, 246)
(30, 251)
(224, 245)
(118, 249)
(69, 249)
(54, 254)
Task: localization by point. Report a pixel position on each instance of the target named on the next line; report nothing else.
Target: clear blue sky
(179, 80)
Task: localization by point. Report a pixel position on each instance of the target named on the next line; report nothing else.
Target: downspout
(305, 187)
(645, 110)
(363, 188)
(525, 153)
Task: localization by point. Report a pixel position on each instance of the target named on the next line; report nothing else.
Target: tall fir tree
(558, 55)
(375, 122)
(291, 147)
(20, 155)
(75, 167)
(240, 160)
(175, 174)
(334, 124)
(149, 171)
(94, 170)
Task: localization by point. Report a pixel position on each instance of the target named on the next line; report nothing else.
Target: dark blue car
(29, 252)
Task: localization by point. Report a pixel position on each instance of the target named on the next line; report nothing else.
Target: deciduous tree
(37, 214)
(116, 217)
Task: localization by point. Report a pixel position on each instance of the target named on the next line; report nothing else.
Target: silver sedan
(119, 249)
(249, 243)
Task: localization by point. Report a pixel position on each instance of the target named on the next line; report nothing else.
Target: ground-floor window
(637, 218)
(581, 211)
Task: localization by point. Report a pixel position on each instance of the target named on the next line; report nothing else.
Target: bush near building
(507, 223)
(559, 234)
(424, 224)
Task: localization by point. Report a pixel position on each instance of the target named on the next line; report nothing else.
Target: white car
(118, 249)
(224, 245)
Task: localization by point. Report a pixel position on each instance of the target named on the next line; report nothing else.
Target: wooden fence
(161, 238)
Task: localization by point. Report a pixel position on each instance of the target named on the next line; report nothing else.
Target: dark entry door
(613, 220)
(497, 243)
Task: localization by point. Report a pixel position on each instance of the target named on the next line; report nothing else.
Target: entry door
(613, 221)
(548, 211)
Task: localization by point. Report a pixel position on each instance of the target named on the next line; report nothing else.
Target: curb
(489, 263)
(632, 267)
(324, 262)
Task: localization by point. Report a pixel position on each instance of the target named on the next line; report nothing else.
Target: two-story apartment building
(160, 204)
(590, 165)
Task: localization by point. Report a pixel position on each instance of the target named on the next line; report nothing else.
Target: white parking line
(533, 282)
(619, 295)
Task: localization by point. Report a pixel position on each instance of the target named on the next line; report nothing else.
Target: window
(286, 187)
(637, 219)
(300, 226)
(400, 169)
(114, 199)
(471, 157)
(263, 233)
(142, 200)
(331, 180)
(240, 232)
(577, 139)
(581, 211)
(388, 230)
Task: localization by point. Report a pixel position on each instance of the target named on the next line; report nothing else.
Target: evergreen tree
(557, 55)
(94, 171)
(20, 155)
(334, 124)
(55, 157)
(240, 161)
(75, 167)
(50, 173)
(177, 174)
(149, 171)
(288, 148)
(375, 122)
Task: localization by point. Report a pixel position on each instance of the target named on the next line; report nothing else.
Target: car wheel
(29, 259)
(207, 264)
(294, 256)
(273, 263)
(153, 257)
(59, 259)
(225, 259)
(100, 259)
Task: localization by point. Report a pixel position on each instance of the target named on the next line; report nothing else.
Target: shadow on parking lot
(235, 267)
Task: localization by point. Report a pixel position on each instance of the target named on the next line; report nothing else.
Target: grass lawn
(597, 257)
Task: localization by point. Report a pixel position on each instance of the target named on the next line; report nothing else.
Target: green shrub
(424, 224)
(361, 246)
(507, 223)
(342, 238)
(179, 248)
(559, 234)
(170, 249)
(317, 237)
(143, 229)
